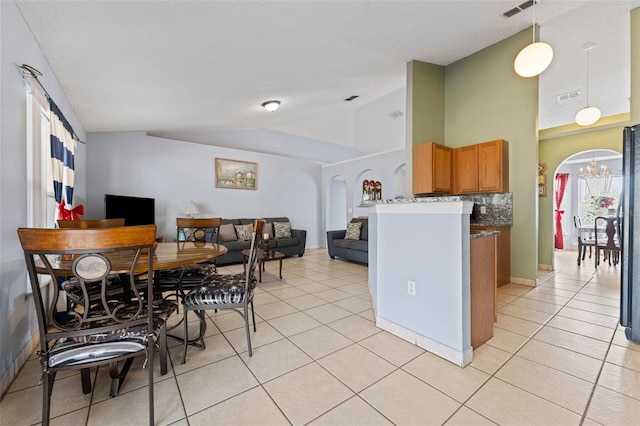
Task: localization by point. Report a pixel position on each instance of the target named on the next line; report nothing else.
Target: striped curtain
(63, 147)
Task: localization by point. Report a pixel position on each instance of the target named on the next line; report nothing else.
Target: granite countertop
(488, 209)
(482, 234)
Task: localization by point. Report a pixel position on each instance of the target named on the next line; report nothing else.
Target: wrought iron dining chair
(190, 230)
(608, 243)
(585, 239)
(102, 332)
(226, 291)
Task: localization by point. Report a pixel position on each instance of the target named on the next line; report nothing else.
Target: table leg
(260, 267)
(244, 264)
(280, 268)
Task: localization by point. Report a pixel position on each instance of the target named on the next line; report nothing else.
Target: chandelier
(597, 180)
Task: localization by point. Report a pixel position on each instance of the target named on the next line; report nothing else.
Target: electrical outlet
(411, 288)
(483, 209)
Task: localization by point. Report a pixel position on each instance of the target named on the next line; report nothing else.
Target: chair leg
(162, 342)
(151, 351)
(85, 375)
(186, 335)
(579, 252)
(117, 377)
(253, 315)
(47, 387)
(246, 327)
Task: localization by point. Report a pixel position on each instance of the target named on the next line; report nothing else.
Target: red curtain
(561, 185)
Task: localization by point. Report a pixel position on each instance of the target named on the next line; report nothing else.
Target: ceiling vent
(568, 96)
(395, 114)
(518, 9)
(350, 98)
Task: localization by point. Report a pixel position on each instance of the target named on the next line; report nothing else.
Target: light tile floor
(558, 357)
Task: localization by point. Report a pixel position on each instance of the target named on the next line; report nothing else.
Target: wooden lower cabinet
(503, 252)
(483, 289)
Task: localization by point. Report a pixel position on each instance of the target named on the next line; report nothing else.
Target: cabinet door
(442, 177)
(493, 168)
(431, 169)
(465, 164)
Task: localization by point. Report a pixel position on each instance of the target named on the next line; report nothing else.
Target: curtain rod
(34, 73)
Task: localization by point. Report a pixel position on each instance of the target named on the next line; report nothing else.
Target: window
(589, 207)
(41, 204)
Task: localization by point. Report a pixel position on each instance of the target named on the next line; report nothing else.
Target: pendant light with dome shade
(534, 58)
(589, 114)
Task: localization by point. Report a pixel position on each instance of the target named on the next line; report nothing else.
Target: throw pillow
(353, 231)
(244, 231)
(227, 233)
(268, 229)
(282, 229)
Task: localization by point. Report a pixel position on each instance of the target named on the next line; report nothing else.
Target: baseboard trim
(523, 281)
(21, 360)
(545, 267)
(456, 357)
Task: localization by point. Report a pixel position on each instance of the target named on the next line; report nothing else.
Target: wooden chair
(227, 291)
(585, 239)
(609, 243)
(90, 223)
(102, 332)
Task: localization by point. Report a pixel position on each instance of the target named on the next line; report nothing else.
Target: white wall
(375, 130)
(382, 167)
(175, 172)
(17, 317)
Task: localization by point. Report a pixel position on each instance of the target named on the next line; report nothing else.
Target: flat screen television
(134, 210)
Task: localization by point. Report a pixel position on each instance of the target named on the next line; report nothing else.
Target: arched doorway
(584, 197)
(336, 214)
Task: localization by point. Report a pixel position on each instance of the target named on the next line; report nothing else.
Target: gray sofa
(354, 250)
(289, 246)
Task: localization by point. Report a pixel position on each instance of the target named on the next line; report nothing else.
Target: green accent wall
(425, 103)
(486, 100)
(554, 152)
(556, 147)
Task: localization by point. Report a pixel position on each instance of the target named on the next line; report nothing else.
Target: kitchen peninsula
(420, 275)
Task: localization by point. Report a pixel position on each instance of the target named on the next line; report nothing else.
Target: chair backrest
(90, 223)
(252, 261)
(577, 222)
(608, 239)
(198, 229)
(91, 257)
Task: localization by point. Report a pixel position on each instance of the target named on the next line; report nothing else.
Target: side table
(263, 256)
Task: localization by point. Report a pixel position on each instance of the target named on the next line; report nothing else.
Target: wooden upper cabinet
(482, 168)
(493, 166)
(432, 172)
(465, 164)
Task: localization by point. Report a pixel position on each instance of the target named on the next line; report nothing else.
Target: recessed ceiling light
(271, 106)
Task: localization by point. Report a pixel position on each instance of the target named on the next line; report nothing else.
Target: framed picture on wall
(542, 179)
(236, 174)
(542, 191)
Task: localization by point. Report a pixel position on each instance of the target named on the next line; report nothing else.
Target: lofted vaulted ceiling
(194, 67)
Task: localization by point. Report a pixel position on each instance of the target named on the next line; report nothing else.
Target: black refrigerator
(629, 234)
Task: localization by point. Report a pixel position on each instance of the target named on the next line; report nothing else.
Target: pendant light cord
(534, 21)
(588, 76)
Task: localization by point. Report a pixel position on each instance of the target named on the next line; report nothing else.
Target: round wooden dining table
(165, 256)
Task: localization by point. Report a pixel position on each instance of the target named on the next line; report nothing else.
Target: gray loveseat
(289, 246)
(355, 250)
